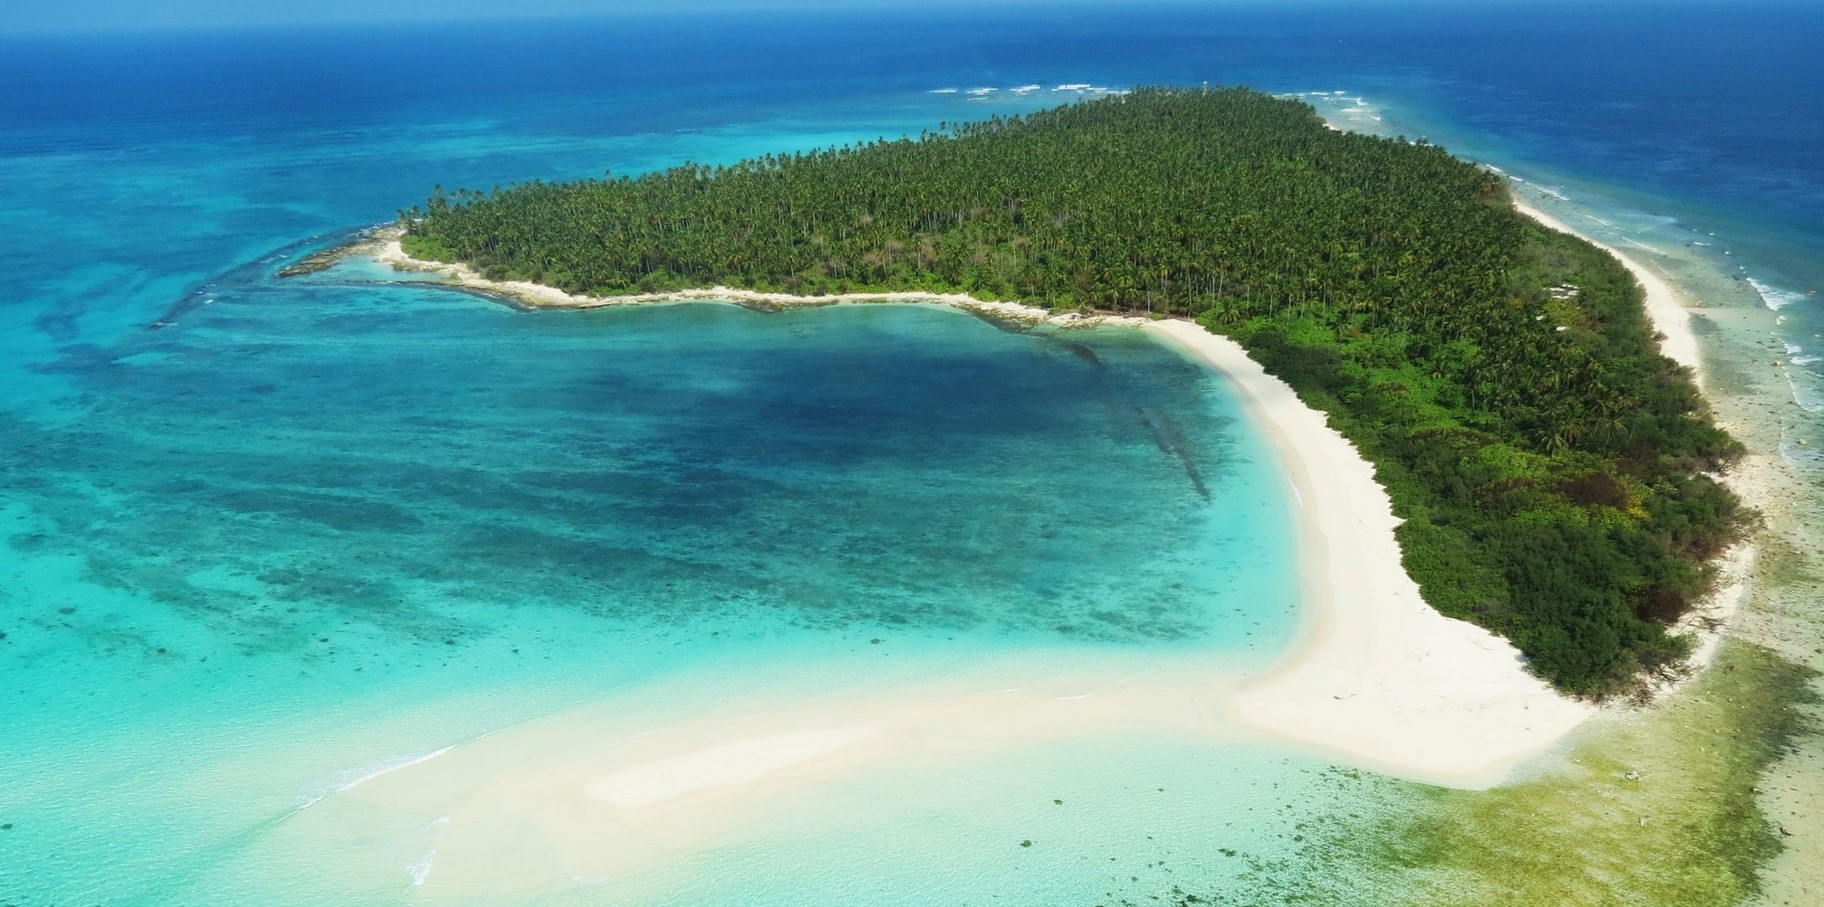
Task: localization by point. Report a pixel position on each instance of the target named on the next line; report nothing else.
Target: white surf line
(419, 870)
(390, 769)
(351, 785)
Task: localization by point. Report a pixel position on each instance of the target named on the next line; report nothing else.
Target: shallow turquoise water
(1251, 823)
(306, 505)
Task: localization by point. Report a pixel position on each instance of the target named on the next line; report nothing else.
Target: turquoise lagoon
(307, 531)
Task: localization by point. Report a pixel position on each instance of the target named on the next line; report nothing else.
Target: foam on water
(420, 869)
(1775, 297)
(385, 767)
(1343, 110)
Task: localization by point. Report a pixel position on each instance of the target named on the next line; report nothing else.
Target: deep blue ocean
(266, 538)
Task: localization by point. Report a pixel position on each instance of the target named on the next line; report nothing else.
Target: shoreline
(383, 246)
(1665, 312)
(1392, 684)
(1769, 607)
(1378, 676)
(1707, 623)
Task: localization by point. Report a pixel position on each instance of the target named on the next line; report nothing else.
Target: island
(1555, 477)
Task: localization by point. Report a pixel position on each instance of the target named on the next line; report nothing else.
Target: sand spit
(1380, 676)
(624, 789)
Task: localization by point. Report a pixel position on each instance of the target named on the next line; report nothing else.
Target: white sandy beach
(1380, 676)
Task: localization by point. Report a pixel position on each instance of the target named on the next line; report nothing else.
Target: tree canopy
(1554, 470)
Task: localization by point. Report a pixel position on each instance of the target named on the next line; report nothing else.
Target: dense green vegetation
(1552, 468)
